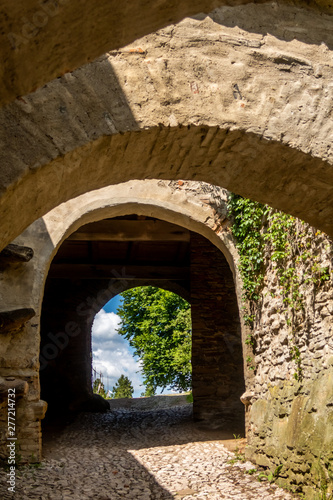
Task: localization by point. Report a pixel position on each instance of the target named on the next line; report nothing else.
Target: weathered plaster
(43, 40)
(240, 98)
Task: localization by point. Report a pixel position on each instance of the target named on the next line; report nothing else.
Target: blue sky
(112, 354)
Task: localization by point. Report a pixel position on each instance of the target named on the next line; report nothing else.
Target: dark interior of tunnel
(102, 259)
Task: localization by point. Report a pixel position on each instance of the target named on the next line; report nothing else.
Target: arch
(158, 113)
(111, 308)
(80, 301)
(190, 205)
(186, 205)
(168, 201)
(73, 33)
(51, 26)
(65, 359)
(217, 353)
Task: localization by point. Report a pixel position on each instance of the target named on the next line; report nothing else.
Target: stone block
(35, 411)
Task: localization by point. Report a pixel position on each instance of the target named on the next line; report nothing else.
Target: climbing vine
(247, 218)
(263, 233)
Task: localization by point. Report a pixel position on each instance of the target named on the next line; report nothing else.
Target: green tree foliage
(98, 388)
(157, 324)
(149, 391)
(123, 388)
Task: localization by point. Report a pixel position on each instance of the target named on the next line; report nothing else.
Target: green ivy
(247, 218)
(278, 233)
(257, 228)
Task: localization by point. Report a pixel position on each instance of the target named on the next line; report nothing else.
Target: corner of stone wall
(293, 426)
(21, 415)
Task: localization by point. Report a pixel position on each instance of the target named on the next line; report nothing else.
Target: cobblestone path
(133, 454)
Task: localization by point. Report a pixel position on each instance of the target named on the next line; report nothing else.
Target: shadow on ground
(133, 424)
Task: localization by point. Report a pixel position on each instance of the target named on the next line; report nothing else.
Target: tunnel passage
(103, 259)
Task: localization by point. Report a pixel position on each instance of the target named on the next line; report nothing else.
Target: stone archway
(197, 108)
(26, 27)
(88, 271)
(77, 288)
(189, 204)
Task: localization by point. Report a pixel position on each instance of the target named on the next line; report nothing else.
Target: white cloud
(112, 354)
(105, 324)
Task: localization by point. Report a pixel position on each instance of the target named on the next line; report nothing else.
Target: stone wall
(217, 354)
(289, 373)
(291, 395)
(19, 346)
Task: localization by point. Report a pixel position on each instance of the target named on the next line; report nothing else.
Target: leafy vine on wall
(267, 237)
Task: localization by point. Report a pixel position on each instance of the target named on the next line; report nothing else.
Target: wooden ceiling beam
(119, 272)
(130, 230)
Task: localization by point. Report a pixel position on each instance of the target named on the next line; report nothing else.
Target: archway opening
(104, 258)
(143, 337)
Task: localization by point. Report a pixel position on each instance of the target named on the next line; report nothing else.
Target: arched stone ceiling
(185, 206)
(246, 106)
(42, 40)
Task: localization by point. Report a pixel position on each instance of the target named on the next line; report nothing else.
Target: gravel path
(138, 454)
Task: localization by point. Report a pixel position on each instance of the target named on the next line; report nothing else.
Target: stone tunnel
(100, 260)
(92, 248)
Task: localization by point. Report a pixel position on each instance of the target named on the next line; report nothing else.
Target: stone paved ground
(138, 454)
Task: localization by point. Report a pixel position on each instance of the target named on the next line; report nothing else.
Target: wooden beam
(131, 230)
(16, 253)
(13, 320)
(118, 272)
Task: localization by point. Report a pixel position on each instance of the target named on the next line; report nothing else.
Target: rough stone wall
(291, 396)
(19, 346)
(307, 322)
(29, 411)
(289, 421)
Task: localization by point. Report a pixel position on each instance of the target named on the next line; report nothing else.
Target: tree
(149, 391)
(157, 324)
(123, 388)
(98, 388)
